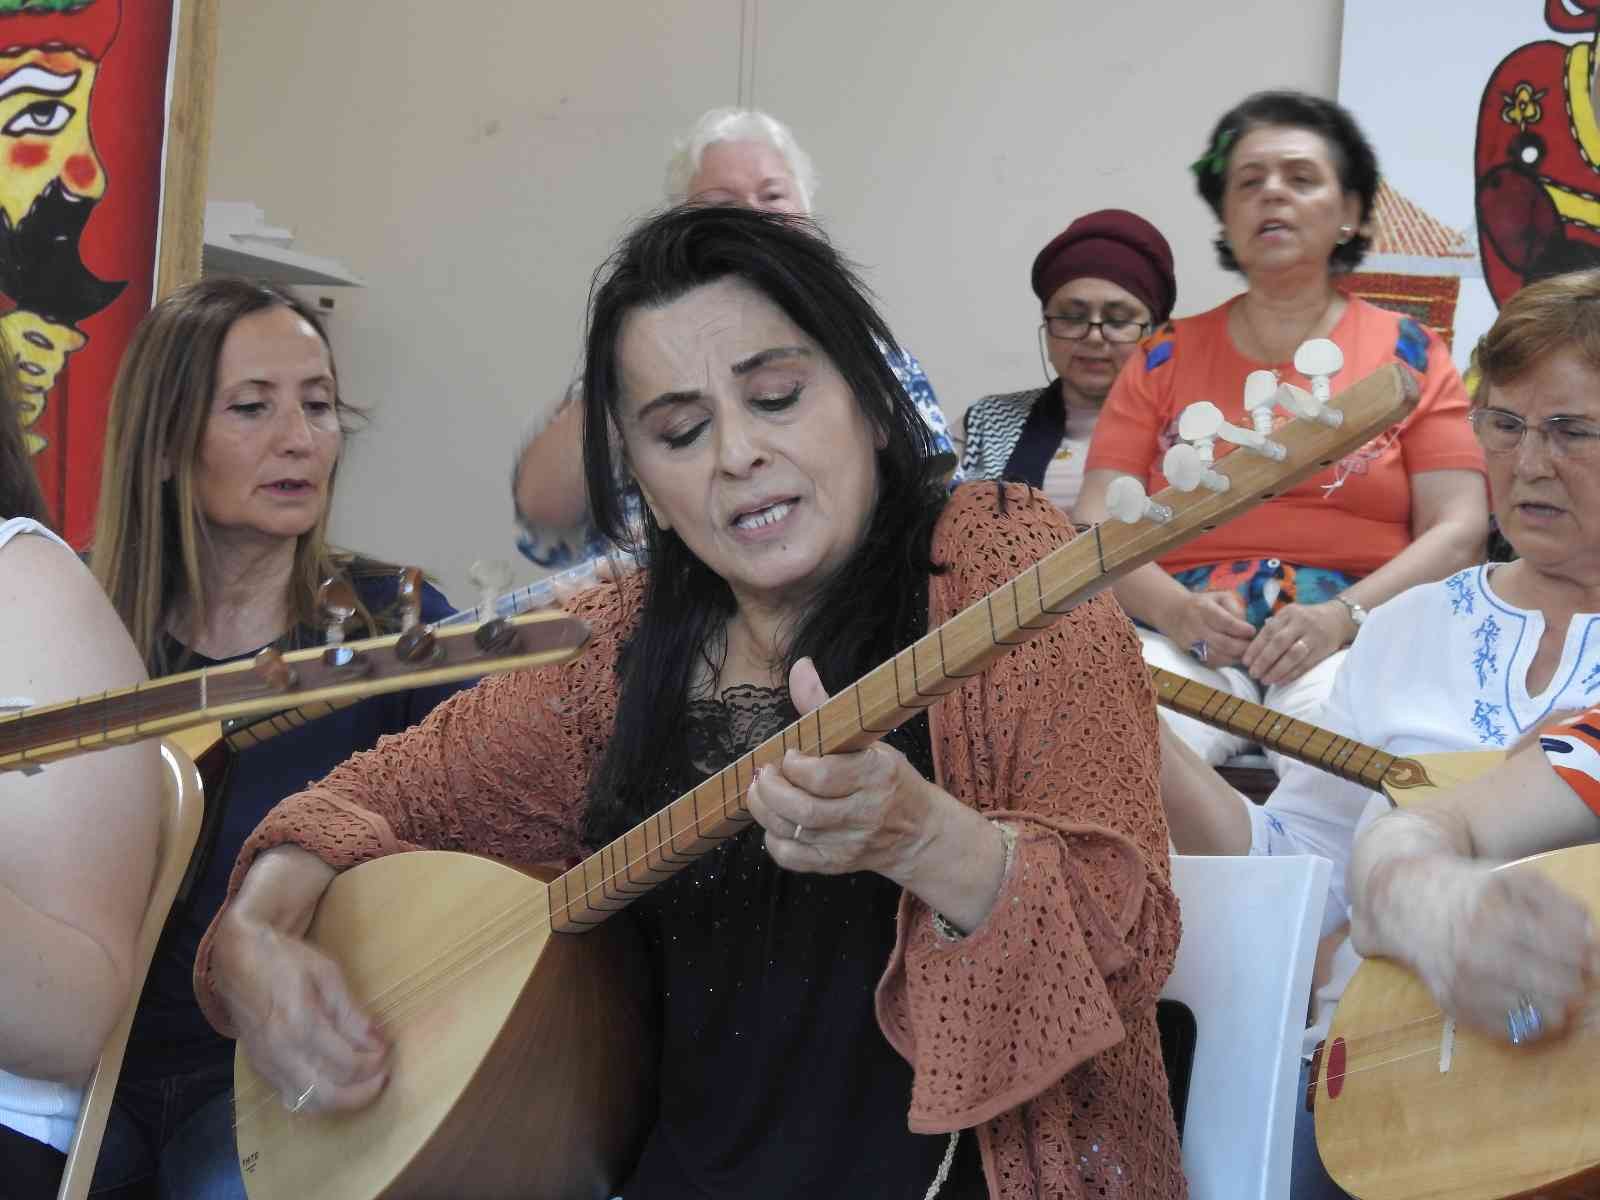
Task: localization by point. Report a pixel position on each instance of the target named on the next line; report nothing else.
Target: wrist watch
(1357, 613)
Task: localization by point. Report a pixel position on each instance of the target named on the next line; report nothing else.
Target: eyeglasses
(1500, 432)
(1113, 329)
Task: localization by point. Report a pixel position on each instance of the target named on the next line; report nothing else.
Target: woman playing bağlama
(1103, 283)
(1487, 656)
(933, 968)
(1508, 952)
(222, 444)
(77, 839)
(1264, 606)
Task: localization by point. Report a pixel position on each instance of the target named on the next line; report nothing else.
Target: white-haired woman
(733, 156)
(745, 157)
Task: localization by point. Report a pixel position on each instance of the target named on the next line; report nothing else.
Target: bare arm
(1483, 941)
(78, 840)
(549, 490)
(1204, 814)
(297, 1019)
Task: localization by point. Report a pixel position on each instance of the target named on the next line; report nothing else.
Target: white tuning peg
(1186, 470)
(1319, 360)
(1206, 422)
(1300, 403)
(1260, 394)
(1126, 501)
(1198, 425)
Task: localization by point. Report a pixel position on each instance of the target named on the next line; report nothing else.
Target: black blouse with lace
(775, 1078)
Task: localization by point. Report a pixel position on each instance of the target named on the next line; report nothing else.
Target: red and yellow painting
(83, 87)
(1538, 155)
(1484, 119)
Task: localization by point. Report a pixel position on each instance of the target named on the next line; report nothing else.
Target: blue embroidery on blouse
(914, 379)
(1275, 825)
(1592, 679)
(1484, 661)
(1459, 586)
(1483, 715)
(547, 548)
(1411, 347)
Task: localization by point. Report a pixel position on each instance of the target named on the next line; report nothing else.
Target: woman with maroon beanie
(1103, 283)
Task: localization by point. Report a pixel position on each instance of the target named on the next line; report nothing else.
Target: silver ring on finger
(1200, 650)
(1304, 646)
(798, 830)
(1524, 1022)
(300, 1100)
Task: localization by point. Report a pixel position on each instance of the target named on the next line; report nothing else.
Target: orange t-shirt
(1573, 749)
(1353, 517)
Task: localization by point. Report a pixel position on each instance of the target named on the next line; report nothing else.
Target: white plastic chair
(180, 830)
(1250, 927)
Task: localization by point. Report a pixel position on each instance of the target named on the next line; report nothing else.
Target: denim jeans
(171, 1138)
(1308, 1178)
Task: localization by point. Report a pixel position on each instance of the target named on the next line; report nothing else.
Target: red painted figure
(1537, 159)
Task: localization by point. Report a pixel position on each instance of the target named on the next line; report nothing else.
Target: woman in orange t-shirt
(1264, 606)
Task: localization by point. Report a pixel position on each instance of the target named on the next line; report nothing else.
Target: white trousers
(1300, 698)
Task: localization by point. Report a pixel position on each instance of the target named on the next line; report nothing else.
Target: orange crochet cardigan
(1038, 1027)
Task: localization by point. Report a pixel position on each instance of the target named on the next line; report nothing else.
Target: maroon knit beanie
(1111, 244)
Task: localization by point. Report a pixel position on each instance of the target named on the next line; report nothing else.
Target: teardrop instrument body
(522, 1061)
(1412, 1107)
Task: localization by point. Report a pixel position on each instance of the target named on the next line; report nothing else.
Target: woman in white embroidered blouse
(1482, 658)
(77, 840)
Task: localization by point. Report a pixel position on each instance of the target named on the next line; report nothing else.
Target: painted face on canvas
(51, 180)
(44, 120)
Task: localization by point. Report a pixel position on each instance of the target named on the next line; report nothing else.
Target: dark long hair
(871, 608)
(20, 494)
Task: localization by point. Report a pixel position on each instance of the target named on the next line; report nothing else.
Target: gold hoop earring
(1347, 234)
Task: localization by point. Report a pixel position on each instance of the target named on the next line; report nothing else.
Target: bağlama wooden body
(522, 1062)
(1411, 1107)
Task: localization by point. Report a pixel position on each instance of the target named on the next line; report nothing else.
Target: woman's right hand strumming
(303, 1029)
(1212, 619)
(1486, 942)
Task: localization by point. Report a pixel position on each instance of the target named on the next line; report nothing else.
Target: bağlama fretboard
(1015, 613)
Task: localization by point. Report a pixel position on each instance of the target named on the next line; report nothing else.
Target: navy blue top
(775, 1078)
(170, 1036)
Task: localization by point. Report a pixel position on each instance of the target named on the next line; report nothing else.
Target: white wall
(475, 161)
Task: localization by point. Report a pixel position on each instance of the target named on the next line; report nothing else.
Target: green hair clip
(1214, 160)
(12, 8)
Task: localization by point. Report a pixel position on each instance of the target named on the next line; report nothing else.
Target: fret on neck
(1321, 748)
(883, 699)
